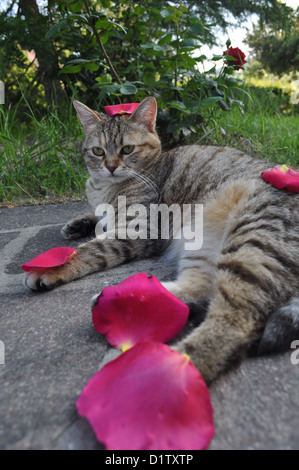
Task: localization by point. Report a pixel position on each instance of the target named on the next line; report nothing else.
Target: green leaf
(77, 61)
(57, 28)
(188, 60)
(180, 106)
(223, 105)
(153, 46)
(128, 89)
(75, 5)
(211, 100)
(106, 3)
(139, 10)
(234, 80)
(92, 66)
(166, 13)
(229, 70)
(230, 57)
(149, 79)
(187, 43)
(107, 90)
(218, 57)
(197, 28)
(217, 92)
(103, 23)
(71, 69)
(105, 37)
(104, 78)
(77, 16)
(120, 27)
(165, 39)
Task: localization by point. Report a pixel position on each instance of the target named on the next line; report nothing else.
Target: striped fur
(247, 269)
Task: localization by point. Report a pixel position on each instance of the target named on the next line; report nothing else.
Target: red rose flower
(238, 57)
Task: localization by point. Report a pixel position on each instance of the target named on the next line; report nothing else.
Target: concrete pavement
(52, 349)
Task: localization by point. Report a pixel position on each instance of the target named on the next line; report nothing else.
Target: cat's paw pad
(39, 280)
(77, 228)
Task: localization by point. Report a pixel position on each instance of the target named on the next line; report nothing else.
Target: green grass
(274, 138)
(267, 128)
(40, 160)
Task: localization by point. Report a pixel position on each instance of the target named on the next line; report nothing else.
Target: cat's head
(116, 148)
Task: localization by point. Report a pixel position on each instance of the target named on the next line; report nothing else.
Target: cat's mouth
(115, 176)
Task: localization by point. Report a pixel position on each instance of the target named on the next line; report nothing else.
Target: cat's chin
(114, 179)
(97, 182)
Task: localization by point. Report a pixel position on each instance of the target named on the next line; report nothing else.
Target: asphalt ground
(52, 350)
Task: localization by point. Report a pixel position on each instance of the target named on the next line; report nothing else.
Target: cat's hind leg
(281, 330)
(80, 227)
(194, 281)
(249, 285)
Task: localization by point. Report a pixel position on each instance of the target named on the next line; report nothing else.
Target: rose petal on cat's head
(138, 309)
(126, 108)
(282, 178)
(50, 258)
(149, 398)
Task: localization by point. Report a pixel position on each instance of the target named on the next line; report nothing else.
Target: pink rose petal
(138, 309)
(126, 108)
(149, 398)
(282, 178)
(50, 259)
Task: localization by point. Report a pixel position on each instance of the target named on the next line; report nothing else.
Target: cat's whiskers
(135, 174)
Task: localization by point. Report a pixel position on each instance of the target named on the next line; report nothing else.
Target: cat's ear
(146, 113)
(87, 116)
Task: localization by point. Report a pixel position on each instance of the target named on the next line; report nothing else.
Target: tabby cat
(246, 272)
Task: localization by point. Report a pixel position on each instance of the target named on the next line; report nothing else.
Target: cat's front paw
(41, 280)
(78, 228)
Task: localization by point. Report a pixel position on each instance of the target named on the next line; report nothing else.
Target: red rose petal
(126, 108)
(138, 309)
(149, 398)
(50, 259)
(282, 178)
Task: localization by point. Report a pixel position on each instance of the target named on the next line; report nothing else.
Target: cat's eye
(98, 151)
(127, 149)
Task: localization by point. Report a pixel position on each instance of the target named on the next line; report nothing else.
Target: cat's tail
(281, 329)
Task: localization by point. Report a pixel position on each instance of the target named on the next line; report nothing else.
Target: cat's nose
(111, 168)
